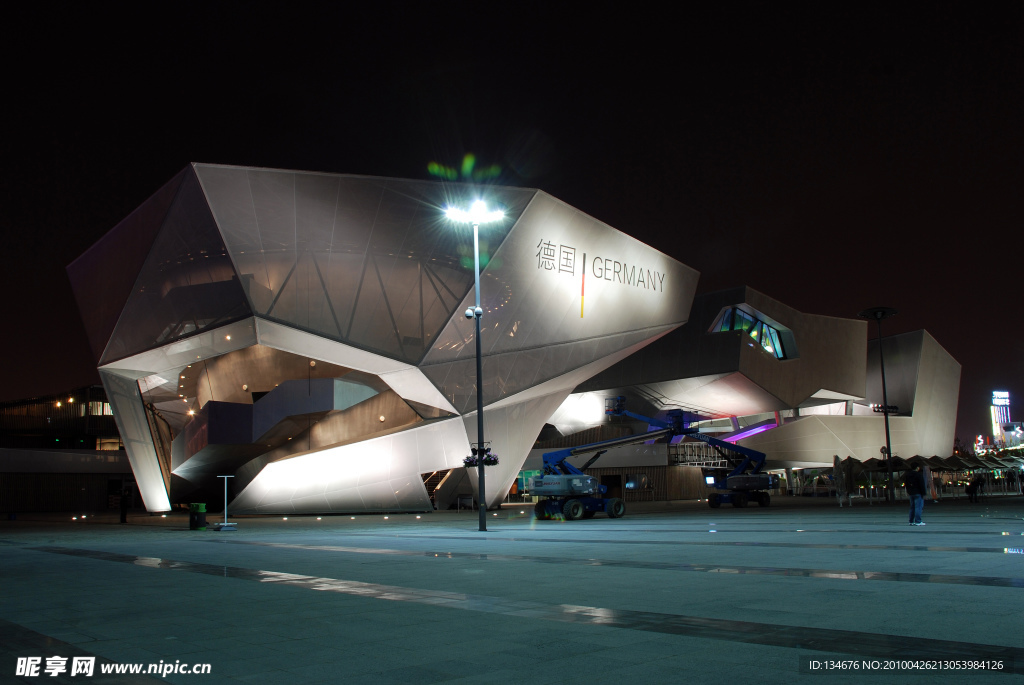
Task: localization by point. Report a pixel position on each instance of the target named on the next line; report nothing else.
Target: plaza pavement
(671, 593)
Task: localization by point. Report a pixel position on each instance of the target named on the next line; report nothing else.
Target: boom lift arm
(574, 494)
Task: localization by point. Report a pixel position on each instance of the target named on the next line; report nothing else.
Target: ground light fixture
(877, 314)
(477, 214)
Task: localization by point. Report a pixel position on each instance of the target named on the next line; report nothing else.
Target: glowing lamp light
(477, 214)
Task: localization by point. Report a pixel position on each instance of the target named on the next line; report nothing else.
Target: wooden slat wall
(667, 482)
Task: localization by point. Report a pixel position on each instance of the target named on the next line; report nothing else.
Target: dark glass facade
(80, 419)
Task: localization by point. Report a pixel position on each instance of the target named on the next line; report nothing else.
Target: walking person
(914, 482)
(126, 496)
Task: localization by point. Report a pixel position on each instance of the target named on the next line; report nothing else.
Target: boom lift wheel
(764, 499)
(572, 509)
(615, 508)
(540, 510)
(714, 502)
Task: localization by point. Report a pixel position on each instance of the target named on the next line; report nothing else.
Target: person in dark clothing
(126, 497)
(914, 482)
(973, 489)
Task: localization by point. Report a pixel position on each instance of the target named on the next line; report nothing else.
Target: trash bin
(197, 516)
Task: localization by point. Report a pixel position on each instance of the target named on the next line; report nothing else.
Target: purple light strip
(732, 439)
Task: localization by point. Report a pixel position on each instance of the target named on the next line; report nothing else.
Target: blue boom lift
(572, 494)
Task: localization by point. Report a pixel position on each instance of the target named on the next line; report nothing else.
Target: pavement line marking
(834, 574)
(860, 644)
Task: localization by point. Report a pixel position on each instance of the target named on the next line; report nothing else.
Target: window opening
(735, 319)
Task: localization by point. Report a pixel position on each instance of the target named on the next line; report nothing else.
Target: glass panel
(755, 330)
(766, 339)
(726, 320)
(103, 277)
(742, 321)
(367, 261)
(187, 284)
(777, 344)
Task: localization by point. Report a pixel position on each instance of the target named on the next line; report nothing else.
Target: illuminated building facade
(797, 386)
(1005, 433)
(1001, 406)
(305, 333)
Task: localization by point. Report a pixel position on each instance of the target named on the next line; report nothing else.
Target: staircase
(431, 481)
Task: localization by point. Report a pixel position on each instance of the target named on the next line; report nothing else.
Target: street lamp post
(477, 215)
(879, 313)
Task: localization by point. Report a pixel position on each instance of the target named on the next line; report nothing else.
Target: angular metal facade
(803, 409)
(256, 286)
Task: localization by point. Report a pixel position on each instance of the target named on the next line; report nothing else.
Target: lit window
(776, 343)
(726, 320)
(734, 319)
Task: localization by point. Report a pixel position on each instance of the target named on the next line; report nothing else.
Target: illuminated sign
(562, 258)
(1000, 398)
(997, 428)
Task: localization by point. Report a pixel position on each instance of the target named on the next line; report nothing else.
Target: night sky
(835, 159)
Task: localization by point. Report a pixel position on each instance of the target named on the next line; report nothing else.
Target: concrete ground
(670, 593)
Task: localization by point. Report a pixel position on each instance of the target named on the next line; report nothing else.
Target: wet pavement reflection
(990, 581)
(704, 543)
(796, 637)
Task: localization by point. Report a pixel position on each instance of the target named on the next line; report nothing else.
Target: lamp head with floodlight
(476, 215)
(878, 313)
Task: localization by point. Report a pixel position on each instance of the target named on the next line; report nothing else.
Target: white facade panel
(130, 415)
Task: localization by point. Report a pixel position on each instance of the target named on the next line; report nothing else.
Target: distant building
(1000, 412)
(80, 419)
(61, 453)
